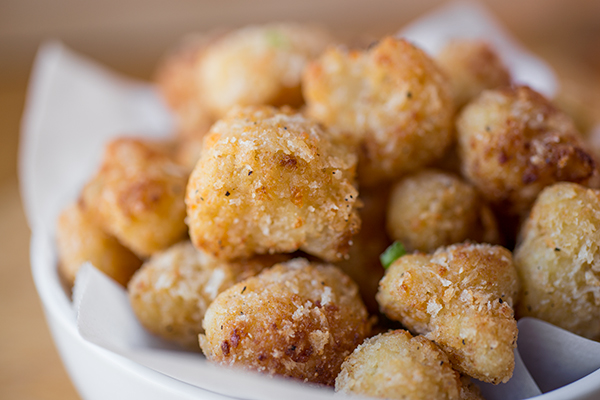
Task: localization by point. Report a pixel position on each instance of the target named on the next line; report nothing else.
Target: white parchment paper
(74, 106)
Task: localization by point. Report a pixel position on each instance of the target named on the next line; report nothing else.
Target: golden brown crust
(138, 196)
(472, 66)
(79, 239)
(558, 259)
(432, 208)
(391, 99)
(258, 65)
(395, 365)
(461, 297)
(272, 181)
(173, 289)
(513, 143)
(296, 319)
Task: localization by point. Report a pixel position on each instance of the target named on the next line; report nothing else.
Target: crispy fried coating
(259, 65)
(433, 208)
(395, 365)
(177, 80)
(461, 297)
(472, 66)
(558, 259)
(513, 143)
(138, 196)
(173, 289)
(296, 319)
(363, 264)
(272, 181)
(79, 239)
(391, 99)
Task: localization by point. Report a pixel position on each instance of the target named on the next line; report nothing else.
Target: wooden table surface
(30, 367)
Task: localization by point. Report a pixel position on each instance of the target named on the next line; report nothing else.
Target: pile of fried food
(255, 235)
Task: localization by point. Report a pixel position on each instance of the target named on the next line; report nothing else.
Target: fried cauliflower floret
(395, 365)
(432, 208)
(259, 65)
(391, 99)
(79, 239)
(173, 289)
(177, 81)
(558, 259)
(513, 143)
(138, 196)
(363, 264)
(461, 297)
(296, 319)
(272, 181)
(472, 66)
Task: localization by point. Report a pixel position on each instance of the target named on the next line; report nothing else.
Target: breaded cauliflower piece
(176, 79)
(138, 196)
(363, 264)
(558, 259)
(173, 289)
(296, 319)
(259, 65)
(395, 365)
(461, 297)
(79, 239)
(472, 66)
(432, 208)
(272, 181)
(391, 99)
(513, 143)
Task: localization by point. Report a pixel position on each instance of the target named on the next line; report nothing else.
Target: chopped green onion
(277, 39)
(391, 254)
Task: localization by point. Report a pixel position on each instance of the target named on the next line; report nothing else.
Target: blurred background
(131, 35)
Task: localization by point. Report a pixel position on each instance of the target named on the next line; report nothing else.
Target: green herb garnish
(391, 254)
(277, 39)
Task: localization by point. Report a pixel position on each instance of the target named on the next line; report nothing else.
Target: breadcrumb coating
(395, 365)
(79, 239)
(432, 208)
(272, 181)
(258, 65)
(558, 259)
(514, 142)
(461, 297)
(173, 289)
(472, 66)
(138, 196)
(296, 319)
(391, 99)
